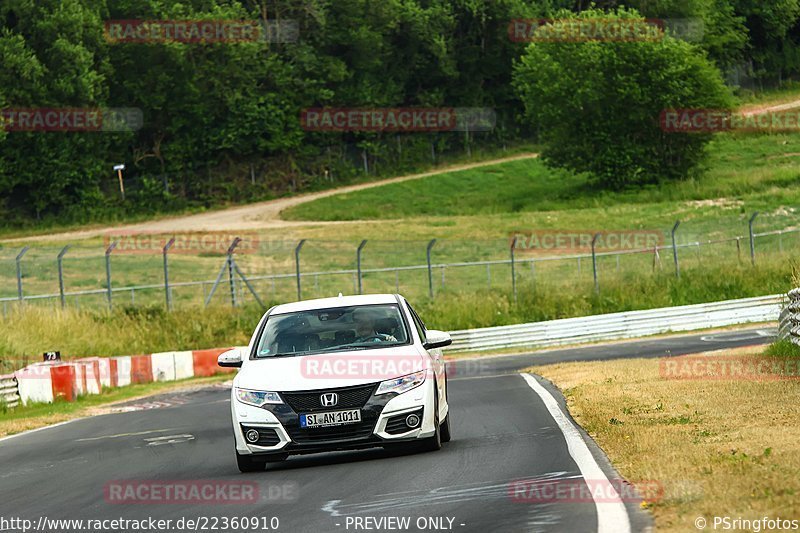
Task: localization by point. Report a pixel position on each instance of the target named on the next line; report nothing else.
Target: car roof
(336, 301)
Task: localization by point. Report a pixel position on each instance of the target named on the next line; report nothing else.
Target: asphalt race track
(503, 431)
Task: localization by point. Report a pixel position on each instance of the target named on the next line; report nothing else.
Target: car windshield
(331, 330)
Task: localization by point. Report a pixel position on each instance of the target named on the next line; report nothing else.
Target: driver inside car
(365, 328)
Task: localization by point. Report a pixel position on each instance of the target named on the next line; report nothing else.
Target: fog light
(412, 420)
(251, 436)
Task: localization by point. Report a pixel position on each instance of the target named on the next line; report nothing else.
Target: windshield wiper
(285, 354)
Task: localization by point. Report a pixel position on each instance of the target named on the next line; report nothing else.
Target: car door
(436, 356)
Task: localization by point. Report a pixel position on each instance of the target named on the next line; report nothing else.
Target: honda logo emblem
(329, 399)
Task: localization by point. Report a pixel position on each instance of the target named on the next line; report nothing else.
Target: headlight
(257, 398)
(402, 384)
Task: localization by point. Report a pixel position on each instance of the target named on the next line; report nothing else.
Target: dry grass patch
(718, 447)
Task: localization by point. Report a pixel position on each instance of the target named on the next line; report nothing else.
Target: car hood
(329, 370)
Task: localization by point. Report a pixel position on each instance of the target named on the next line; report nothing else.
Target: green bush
(597, 104)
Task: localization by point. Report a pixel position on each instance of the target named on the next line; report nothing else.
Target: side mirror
(231, 358)
(437, 339)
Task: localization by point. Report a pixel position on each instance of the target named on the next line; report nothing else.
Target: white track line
(612, 517)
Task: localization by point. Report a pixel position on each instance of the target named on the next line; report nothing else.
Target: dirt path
(261, 215)
(755, 109)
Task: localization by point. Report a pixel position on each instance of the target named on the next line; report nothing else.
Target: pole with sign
(119, 169)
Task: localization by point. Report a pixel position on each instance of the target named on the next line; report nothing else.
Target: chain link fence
(101, 274)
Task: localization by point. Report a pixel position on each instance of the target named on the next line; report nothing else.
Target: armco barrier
(44, 381)
(789, 322)
(620, 325)
(9, 391)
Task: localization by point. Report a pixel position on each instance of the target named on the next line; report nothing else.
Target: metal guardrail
(9, 392)
(621, 325)
(789, 321)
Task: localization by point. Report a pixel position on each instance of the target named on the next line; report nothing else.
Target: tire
(247, 464)
(445, 428)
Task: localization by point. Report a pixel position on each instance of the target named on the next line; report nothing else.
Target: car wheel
(445, 428)
(247, 464)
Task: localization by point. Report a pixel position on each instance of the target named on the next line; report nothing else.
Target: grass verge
(36, 415)
(743, 172)
(717, 447)
(28, 331)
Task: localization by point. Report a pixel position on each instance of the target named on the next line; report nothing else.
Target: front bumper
(279, 425)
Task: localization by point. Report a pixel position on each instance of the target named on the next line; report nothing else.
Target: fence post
(108, 271)
(675, 249)
(61, 276)
(594, 262)
(430, 271)
(752, 238)
(297, 267)
(231, 267)
(19, 271)
(513, 269)
(165, 251)
(358, 262)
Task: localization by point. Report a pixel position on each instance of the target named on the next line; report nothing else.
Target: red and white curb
(47, 381)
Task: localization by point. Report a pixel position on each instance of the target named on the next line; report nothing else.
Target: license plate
(330, 418)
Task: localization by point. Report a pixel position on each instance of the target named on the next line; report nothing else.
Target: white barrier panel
(92, 377)
(123, 370)
(80, 377)
(35, 384)
(163, 366)
(184, 365)
(169, 366)
(104, 363)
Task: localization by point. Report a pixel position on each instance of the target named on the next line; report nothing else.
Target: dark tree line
(221, 120)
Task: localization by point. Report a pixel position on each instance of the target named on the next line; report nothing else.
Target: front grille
(397, 424)
(266, 436)
(349, 398)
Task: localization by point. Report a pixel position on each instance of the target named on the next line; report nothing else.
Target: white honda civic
(338, 374)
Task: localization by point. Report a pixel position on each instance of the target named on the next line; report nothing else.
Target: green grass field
(744, 173)
(472, 214)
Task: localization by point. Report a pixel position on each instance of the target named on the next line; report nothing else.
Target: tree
(597, 103)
